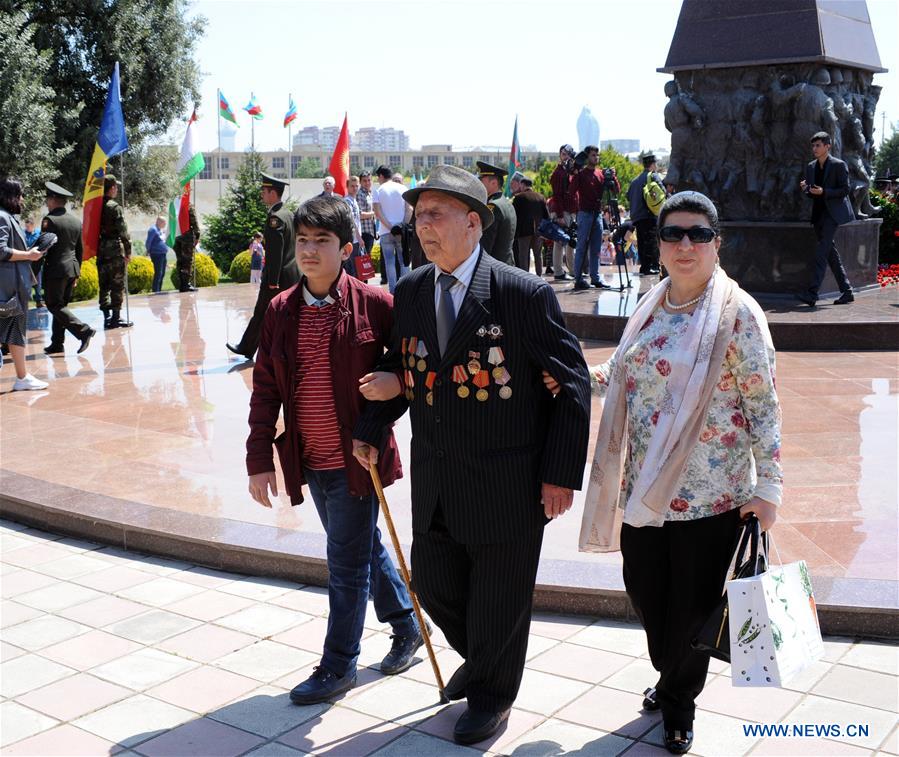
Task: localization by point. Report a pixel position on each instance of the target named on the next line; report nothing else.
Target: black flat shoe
(321, 686)
(237, 351)
(650, 703)
(86, 340)
(476, 725)
(402, 653)
(455, 687)
(844, 299)
(678, 741)
(53, 349)
(806, 299)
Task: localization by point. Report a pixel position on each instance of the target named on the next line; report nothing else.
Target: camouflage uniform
(184, 251)
(115, 246)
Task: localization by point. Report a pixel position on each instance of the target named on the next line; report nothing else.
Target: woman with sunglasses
(689, 444)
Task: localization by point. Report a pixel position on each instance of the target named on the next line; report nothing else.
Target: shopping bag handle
(752, 537)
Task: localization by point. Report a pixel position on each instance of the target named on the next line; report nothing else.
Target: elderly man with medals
(494, 455)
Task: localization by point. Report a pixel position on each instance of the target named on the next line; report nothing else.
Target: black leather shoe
(650, 703)
(599, 284)
(806, 299)
(86, 340)
(477, 725)
(237, 351)
(845, 298)
(563, 277)
(455, 687)
(321, 686)
(678, 741)
(402, 653)
(581, 285)
(54, 349)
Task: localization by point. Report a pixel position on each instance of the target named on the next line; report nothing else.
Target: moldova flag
(110, 142)
(225, 110)
(253, 108)
(514, 159)
(291, 114)
(340, 161)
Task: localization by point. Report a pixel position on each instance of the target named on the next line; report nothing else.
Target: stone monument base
(778, 257)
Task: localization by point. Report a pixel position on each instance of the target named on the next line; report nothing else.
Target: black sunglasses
(694, 233)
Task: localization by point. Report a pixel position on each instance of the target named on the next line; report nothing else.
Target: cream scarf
(694, 375)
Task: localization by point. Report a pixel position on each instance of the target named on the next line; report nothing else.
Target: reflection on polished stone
(157, 414)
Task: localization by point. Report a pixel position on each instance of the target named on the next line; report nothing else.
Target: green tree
(241, 214)
(541, 179)
(28, 149)
(886, 160)
(154, 43)
(308, 168)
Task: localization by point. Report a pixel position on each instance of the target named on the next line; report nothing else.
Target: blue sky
(457, 71)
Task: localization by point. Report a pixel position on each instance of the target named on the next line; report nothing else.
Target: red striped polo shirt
(314, 399)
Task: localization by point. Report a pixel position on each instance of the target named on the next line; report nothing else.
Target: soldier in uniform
(62, 266)
(113, 255)
(185, 244)
(280, 262)
(499, 237)
(494, 454)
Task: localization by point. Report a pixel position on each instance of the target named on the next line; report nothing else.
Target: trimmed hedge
(207, 272)
(239, 272)
(88, 285)
(140, 274)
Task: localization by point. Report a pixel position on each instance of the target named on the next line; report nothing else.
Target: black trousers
(647, 244)
(674, 576)
(369, 241)
(249, 342)
(58, 293)
(481, 597)
(826, 254)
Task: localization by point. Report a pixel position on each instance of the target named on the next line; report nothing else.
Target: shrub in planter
(239, 272)
(88, 285)
(140, 274)
(376, 255)
(207, 273)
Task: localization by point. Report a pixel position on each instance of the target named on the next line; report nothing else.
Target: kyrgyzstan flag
(340, 161)
(110, 142)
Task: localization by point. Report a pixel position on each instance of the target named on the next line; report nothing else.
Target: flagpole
(289, 146)
(218, 158)
(122, 175)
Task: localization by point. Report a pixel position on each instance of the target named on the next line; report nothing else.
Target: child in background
(257, 259)
(607, 250)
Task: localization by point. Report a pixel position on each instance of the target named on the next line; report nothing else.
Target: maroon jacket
(359, 338)
(562, 201)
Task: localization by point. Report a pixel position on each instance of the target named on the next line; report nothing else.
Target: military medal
(413, 346)
(410, 384)
(495, 331)
(481, 380)
(474, 362)
(482, 332)
(460, 376)
(405, 350)
(422, 353)
(429, 383)
(503, 379)
(495, 356)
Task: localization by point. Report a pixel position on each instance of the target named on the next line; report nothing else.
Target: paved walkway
(106, 651)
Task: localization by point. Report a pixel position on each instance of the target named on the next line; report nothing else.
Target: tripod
(610, 200)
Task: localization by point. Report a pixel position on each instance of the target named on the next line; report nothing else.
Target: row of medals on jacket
(415, 351)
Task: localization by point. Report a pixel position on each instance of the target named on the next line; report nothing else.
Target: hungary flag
(191, 161)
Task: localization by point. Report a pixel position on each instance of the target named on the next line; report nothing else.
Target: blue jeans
(358, 564)
(584, 221)
(389, 251)
(158, 259)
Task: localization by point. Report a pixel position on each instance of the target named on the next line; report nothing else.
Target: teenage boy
(319, 342)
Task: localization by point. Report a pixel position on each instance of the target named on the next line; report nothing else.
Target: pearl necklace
(687, 304)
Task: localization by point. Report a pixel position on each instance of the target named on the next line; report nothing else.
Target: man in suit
(530, 209)
(62, 267)
(498, 237)
(494, 455)
(280, 271)
(827, 183)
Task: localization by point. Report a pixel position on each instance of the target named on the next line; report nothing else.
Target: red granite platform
(140, 441)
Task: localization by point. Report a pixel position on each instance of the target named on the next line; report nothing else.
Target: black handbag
(714, 635)
(11, 308)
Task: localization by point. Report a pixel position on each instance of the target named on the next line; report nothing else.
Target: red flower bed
(887, 275)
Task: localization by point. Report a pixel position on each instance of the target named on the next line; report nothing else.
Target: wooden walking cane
(422, 623)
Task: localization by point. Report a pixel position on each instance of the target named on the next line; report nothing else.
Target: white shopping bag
(774, 631)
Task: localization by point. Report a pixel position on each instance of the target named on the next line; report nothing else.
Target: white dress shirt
(463, 274)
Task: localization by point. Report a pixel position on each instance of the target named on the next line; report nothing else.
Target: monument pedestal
(778, 257)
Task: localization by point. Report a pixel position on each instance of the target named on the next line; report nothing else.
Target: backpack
(653, 194)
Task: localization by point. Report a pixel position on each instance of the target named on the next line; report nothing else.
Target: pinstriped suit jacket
(484, 462)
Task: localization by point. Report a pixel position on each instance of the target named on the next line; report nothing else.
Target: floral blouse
(737, 456)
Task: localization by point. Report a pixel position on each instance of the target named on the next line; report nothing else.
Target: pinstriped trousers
(480, 595)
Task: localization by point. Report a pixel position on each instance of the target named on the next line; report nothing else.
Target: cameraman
(562, 208)
(587, 185)
(643, 218)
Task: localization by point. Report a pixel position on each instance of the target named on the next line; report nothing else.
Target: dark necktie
(446, 311)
